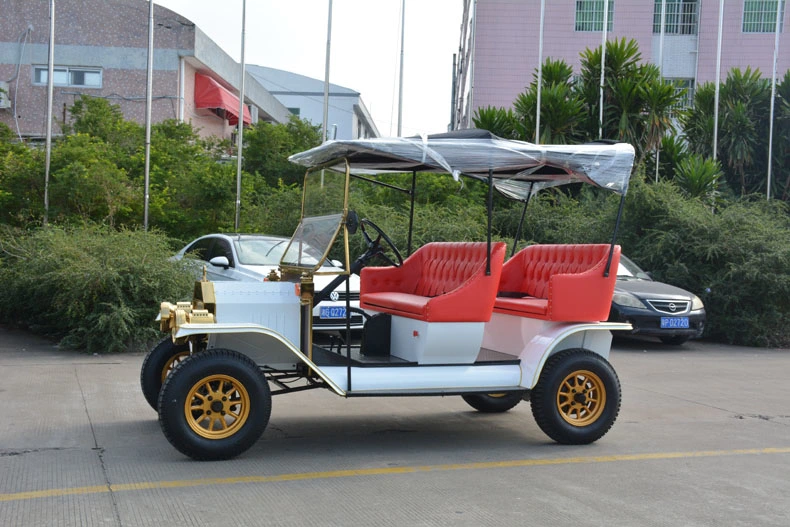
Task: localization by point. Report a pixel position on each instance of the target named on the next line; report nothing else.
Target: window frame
(763, 25)
(684, 24)
(68, 71)
(590, 8)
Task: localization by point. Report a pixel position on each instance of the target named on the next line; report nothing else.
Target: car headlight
(696, 303)
(627, 300)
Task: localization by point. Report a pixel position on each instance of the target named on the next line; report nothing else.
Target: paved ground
(703, 438)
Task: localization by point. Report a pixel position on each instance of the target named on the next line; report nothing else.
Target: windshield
(323, 208)
(629, 270)
(268, 251)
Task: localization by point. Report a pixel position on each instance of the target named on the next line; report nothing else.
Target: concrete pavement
(703, 438)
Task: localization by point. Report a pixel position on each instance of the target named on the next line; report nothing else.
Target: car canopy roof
(517, 167)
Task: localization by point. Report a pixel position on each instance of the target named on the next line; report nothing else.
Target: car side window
(221, 248)
(200, 248)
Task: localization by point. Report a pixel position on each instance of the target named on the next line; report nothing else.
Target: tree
(268, 145)
(561, 106)
(744, 101)
(638, 104)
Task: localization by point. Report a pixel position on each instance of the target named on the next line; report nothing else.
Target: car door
(221, 247)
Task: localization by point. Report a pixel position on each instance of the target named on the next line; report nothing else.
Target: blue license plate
(332, 312)
(674, 322)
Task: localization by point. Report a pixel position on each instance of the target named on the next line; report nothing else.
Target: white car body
(224, 259)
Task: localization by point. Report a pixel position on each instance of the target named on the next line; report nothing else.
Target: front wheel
(215, 405)
(493, 403)
(157, 365)
(577, 398)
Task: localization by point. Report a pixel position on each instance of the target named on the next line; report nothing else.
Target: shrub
(92, 287)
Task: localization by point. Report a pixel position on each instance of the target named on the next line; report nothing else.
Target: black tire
(676, 340)
(493, 403)
(159, 362)
(588, 415)
(245, 406)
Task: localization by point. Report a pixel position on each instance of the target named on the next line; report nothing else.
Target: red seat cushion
(527, 304)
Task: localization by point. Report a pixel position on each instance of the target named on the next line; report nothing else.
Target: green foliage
(698, 177)
(267, 147)
(498, 121)
(744, 102)
(736, 258)
(93, 288)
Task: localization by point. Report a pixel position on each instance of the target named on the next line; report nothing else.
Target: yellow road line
(148, 485)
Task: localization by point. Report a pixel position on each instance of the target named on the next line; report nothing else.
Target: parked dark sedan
(654, 308)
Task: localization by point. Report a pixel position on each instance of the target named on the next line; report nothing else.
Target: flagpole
(148, 103)
(400, 81)
(50, 89)
(661, 67)
(603, 64)
(718, 81)
(773, 99)
(240, 124)
(540, 70)
(326, 74)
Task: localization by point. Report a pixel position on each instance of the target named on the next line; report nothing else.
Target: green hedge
(92, 288)
(735, 257)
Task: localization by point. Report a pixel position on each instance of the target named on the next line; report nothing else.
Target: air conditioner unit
(5, 100)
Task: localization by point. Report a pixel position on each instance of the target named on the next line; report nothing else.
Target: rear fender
(594, 337)
(264, 346)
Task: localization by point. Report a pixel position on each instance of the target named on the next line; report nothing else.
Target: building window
(680, 18)
(295, 111)
(589, 15)
(687, 101)
(68, 76)
(759, 16)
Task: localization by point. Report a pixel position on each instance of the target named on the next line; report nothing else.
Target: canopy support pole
(521, 221)
(411, 212)
(614, 235)
(490, 208)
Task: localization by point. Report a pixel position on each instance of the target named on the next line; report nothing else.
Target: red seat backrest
(530, 269)
(445, 266)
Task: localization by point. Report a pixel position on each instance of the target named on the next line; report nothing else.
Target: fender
(262, 345)
(534, 340)
(595, 337)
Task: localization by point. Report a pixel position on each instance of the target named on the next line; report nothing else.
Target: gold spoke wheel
(217, 406)
(172, 363)
(581, 398)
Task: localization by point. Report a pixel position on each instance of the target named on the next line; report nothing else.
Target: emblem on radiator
(334, 296)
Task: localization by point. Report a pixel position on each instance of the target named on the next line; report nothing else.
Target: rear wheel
(157, 365)
(493, 403)
(577, 398)
(215, 405)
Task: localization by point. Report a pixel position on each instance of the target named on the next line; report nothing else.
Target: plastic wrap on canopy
(478, 153)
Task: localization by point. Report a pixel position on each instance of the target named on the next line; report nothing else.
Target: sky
(364, 49)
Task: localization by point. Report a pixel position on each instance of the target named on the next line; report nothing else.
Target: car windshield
(269, 251)
(323, 205)
(628, 270)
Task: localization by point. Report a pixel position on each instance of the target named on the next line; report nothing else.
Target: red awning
(210, 94)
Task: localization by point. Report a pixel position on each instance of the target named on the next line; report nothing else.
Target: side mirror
(352, 222)
(220, 261)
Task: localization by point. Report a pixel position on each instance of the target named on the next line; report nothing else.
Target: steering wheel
(374, 246)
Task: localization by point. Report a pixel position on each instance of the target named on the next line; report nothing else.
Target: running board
(461, 378)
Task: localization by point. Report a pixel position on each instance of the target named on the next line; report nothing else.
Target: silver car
(251, 257)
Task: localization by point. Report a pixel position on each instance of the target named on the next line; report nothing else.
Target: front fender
(264, 346)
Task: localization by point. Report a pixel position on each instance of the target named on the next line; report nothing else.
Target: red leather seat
(559, 282)
(440, 282)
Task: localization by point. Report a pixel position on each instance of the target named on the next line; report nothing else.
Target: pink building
(498, 54)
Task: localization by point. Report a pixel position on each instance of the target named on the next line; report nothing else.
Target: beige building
(101, 49)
